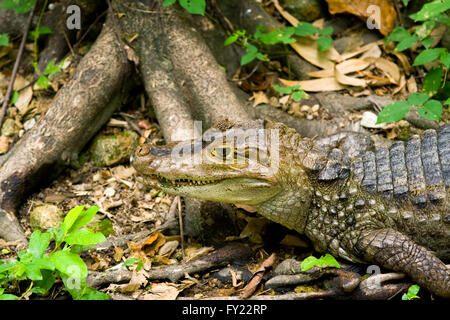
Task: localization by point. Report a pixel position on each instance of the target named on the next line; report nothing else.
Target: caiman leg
(393, 250)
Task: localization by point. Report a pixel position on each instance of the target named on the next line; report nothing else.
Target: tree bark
(77, 112)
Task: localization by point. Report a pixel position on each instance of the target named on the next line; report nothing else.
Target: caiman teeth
(181, 182)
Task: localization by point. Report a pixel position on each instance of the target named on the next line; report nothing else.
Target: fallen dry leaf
(161, 291)
(316, 85)
(389, 68)
(351, 81)
(404, 62)
(259, 97)
(411, 84)
(360, 8)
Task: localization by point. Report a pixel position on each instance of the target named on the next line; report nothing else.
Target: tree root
(78, 111)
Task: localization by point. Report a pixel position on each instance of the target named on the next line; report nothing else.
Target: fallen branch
(219, 258)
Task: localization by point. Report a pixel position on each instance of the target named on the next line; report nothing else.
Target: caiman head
(256, 163)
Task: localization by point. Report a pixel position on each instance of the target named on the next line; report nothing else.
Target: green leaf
(417, 99)
(74, 285)
(308, 263)
(285, 90)
(21, 6)
(14, 97)
(405, 2)
(432, 81)
(69, 264)
(250, 55)
(57, 234)
(33, 271)
(194, 6)
(431, 10)
(428, 55)
(406, 43)
(51, 67)
(167, 3)
(393, 112)
(71, 217)
(447, 101)
(231, 39)
(276, 36)
(329, 260)
(92, 294)
(324, 43)
(298, 95)
(44, 263)
(445, 59)
(326, 31)
(8, 297)
(412, 293)
(7, 267)
(398, 34)
(41, 287)
(431, 110)
(426, 42)
(4, 39)
(41, 30)
(38, 243)
(42, 82)
(132, 261)
(304, 29)
(84, 218)
(425, 29)
(84, 237)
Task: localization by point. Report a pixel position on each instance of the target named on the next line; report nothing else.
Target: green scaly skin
(339, 215)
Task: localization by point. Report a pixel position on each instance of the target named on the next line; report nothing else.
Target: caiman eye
(142, 150)
(222, 153)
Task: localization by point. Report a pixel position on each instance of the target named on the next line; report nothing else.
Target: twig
(397, 9)
(180, 219)
(16, 65)
(251, 286)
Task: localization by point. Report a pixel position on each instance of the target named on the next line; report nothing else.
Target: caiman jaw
(161, 181)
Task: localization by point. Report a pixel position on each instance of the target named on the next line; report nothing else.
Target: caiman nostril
(142, 150)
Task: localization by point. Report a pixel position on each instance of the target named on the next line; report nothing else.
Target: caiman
(388, 206)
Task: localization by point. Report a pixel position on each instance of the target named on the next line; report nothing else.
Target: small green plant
(326, 260)
(4, 39)
(50, 69)
(296, 93)
(21, 6)
(41, 269)
(35, 34)
(432, 15)
(262, 37)
(412, 293)
(132, 261)
(192, 6)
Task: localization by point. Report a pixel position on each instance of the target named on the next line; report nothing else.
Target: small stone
(115, 149)
(109, 192)
(9, 128)
(29, 124)
(315, 108)
(45, 217)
